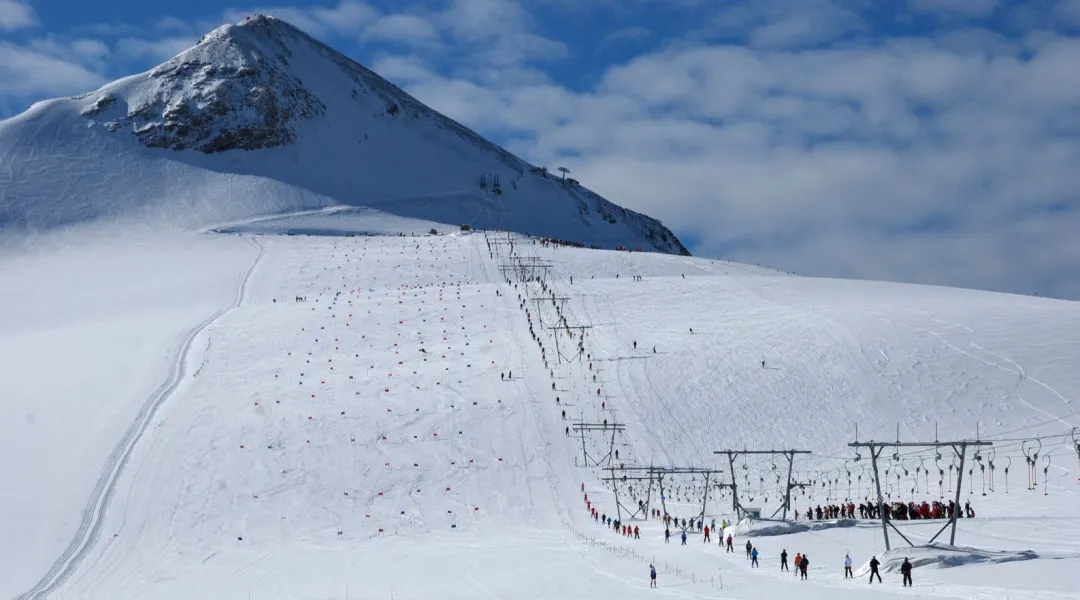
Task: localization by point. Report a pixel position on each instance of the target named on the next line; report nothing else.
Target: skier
(730, 542)
(706, 532)
(905, 570)
(874, 569)
(753, 557)
(798, 561)
(847, 567)
(783, 560)
(637, 533)
(667, 536)
(652, 576)
(635, 344)
(803, 566)
(749, 547)
(684, 538)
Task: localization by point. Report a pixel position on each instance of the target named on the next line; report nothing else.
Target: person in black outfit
(905, 570)
(783, 560)
(803, 566)
(874, 563)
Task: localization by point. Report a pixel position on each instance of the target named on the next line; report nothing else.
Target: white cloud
(403, 29)
(626, 35)
(157, 50)
(403, 70)
(171, 23)
(787, 23)
(971, 9)
(916, 160)
(16, 14)
(347, 16)
(1068, 11)
(26, 72)
(500, 32)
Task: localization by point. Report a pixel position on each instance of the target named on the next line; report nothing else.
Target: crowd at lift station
(897, 511)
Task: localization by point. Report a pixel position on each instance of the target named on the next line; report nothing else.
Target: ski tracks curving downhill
(93, 516)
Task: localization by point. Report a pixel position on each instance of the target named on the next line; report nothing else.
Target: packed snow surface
(213, 415)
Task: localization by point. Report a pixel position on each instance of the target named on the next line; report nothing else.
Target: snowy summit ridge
(233, 90)
(260, 118)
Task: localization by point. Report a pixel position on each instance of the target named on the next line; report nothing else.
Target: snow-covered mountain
(259, 118)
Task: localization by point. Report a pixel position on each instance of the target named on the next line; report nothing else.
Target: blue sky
(932, 141)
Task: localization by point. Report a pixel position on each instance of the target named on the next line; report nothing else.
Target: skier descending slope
(652, 576)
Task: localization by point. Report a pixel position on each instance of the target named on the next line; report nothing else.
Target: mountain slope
(367, 433)
(259, 118)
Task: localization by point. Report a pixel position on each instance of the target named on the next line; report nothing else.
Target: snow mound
(767, 528)
(945, 557)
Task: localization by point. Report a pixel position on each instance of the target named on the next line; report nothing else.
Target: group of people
(615, 524)
(897, 511)
(545, 241)
(802, 562)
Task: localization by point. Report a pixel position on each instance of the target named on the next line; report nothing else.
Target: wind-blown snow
(290, 433)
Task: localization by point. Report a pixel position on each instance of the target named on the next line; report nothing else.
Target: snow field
(245, 483)
(88, 332)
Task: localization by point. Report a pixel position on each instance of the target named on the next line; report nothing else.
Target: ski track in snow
(92, 517)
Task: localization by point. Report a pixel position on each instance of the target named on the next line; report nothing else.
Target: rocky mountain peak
(234, 90)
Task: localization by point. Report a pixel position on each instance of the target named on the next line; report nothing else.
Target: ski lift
(1031, 451)
(1046, 470)
(941, 476)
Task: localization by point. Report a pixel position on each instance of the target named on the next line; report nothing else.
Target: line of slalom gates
(342, 307)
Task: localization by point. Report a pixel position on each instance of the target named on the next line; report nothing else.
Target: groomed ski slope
(298, 430)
